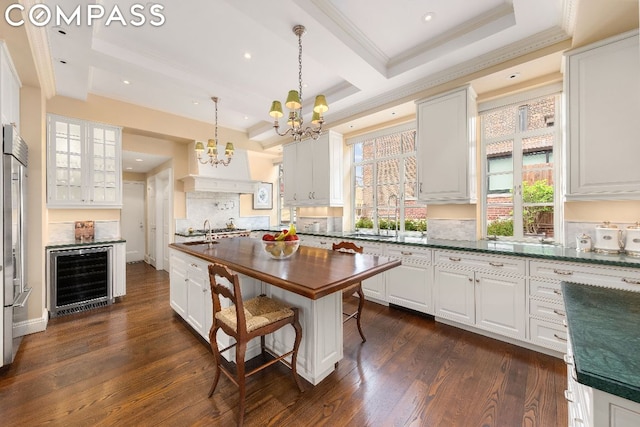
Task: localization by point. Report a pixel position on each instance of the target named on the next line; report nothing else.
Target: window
(385, 181)
(518, 143)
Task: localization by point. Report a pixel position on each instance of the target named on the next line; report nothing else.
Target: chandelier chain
(216, 131)
(300, 70)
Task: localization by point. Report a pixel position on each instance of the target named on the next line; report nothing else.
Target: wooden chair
(351, 247)
(243, 321)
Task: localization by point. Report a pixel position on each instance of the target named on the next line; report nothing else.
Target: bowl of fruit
(281, 245)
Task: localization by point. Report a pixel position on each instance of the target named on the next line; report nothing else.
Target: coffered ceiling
(363, 55)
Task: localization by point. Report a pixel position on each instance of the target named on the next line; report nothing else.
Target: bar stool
(350, 247)
(243, 321)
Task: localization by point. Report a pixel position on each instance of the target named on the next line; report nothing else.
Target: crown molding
(569, 10)
(41, 53)
(520, 48)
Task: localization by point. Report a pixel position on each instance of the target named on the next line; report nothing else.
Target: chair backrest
(234, 294)
(347, 247)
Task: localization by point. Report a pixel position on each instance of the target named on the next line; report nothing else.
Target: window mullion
(517, 183)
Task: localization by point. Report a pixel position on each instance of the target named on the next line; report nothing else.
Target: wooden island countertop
(310, 272)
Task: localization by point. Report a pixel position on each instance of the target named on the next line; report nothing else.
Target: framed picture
(263, 196)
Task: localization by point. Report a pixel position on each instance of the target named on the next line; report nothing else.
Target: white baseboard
(32, 326)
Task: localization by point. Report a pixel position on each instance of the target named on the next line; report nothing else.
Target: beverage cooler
(13, 170)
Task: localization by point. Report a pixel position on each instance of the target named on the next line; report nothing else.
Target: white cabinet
(119, 269)
(84, 164)
(189, 283)
(178, 283)
(602, 109)
(9, 89)
(411, 284)
(590, 407)
(190, 293)
(485, 292)
(446, 145)
(313, 171)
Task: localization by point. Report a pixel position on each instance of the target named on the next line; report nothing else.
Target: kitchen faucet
(395, 214)
(208, 237)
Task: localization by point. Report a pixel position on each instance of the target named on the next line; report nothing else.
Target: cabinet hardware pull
(559, 313)
(406, 253)
(454, 259)
(562, 272)
(631, 281)
(313, 195)
(477, 280)
(194, 265)
(470, 279)
(496, 264)
(567, 395)
(568, 359)
(323, 243)
(558, 337)
(557, 292)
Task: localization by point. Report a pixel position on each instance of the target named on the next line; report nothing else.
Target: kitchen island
(604, 367)
(312, 280)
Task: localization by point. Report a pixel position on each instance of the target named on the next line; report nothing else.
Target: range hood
(234, 178)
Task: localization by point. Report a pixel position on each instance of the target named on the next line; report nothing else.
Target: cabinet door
(289, 163)
(603, 120)
(446, 147)
(500, 304)
(9, 89)
(178, 284)
(119, 269)
(304, 173)
(411, 287)
(454, 295)
(65, 185)
(197, 284)
(105, 175)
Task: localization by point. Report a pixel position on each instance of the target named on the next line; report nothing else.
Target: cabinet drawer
(548, 334)
(504, 265)
(549, 310)
(628, 279)
(549, 290)
(411, 256)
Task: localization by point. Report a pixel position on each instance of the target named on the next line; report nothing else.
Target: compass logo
(40, 15)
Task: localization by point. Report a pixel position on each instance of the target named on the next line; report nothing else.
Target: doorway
(132, 219)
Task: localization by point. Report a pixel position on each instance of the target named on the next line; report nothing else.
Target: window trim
(558, 166)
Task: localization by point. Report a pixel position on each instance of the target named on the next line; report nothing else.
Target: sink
(198, 242)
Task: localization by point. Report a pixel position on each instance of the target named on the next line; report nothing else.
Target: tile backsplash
(451, 229)
(65, 231)
(218, 208)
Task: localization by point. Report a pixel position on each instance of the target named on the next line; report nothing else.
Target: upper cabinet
(446, 146)
(313, 172)
(9, 89)
(602, 87)
(84, 164)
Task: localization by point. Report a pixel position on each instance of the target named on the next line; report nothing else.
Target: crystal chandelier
(212, 147)
(294, 104)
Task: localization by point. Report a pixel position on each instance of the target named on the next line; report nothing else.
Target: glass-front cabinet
(84, 163)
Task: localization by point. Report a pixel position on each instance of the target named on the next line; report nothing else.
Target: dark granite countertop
(73, 243)
(603, 327)
(530, 250)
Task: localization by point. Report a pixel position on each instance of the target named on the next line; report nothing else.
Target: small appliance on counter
(608, 239)
(583, 243)
(632, 243)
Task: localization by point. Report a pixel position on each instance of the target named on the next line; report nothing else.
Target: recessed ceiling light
(139, 160)
(195, 102)
(62, 61)
(129, 168)
(247, 55)
(428, 17)
(513, 76)
(246, 117)
(127, 82)
(393, 113)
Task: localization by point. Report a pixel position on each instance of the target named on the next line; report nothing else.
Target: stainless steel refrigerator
(13, 171)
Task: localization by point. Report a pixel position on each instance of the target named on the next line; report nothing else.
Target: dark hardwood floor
(135, 363)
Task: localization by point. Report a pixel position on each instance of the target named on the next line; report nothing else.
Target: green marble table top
(604, 327)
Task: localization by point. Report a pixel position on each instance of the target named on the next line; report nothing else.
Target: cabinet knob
(477, 280)
(470, 279)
